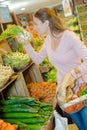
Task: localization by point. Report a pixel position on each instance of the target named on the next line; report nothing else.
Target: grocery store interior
(28, 90)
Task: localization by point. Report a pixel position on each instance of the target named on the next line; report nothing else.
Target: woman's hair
(55, 23)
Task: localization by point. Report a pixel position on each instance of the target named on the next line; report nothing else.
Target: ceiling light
(22, 9)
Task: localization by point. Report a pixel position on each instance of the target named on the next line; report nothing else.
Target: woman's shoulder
(69, 33)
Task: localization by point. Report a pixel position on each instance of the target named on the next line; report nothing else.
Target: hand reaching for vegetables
(24, 38)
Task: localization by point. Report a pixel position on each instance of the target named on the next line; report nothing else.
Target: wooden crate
(44, 69)
(33, 74)
(17, 88)
(4, 46)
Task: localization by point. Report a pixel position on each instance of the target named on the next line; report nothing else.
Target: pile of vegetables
(5, 74)
(82, 90)
(16, 59)
(50, 76)
(7, 125)
(37, 43)
(78, 106)
(12, 30)
(26, 113)
(44, 91)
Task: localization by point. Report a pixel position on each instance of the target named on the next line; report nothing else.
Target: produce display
(84, 27)
(5, 74)
(16, 60)
(12, 30)
(77, 106)
(26, 113)
(82, 18)
(44, 91)
(81, 11)
(72, 24)
(81, 8)
(7, 126)
(50, 76)
(37, 43)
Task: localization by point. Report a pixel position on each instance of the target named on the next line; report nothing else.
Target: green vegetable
(19, 123)
(27, 113)
(18, 109)
(27, 121)
(19, 115)
(16, 59)
(17, 101)
(20, 47)
(83, 91)
(12, 30)
(34, 127)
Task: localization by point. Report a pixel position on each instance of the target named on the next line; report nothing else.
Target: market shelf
(81, 9)
(28, 66)
(13, 78)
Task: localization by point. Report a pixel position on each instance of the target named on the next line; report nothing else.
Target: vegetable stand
(17, 85)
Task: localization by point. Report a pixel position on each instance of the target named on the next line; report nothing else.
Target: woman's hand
(67, 81)
(64, 91)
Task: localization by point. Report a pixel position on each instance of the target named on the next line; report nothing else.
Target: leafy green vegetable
(12, 30)
(83, 91)
(16, 59)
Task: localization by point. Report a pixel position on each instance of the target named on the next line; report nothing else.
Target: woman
(64, 50)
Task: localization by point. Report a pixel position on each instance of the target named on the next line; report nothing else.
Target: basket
(21, 67)
(75, 105)
(79, 101)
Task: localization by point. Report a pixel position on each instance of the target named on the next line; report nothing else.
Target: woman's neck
(55, 35)
(55, 40)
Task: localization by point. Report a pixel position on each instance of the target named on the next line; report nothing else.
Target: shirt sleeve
(81, 51)
(36, 57)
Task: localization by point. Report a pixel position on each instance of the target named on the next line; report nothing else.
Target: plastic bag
(61, 123)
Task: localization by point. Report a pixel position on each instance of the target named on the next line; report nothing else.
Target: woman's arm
(36, 57)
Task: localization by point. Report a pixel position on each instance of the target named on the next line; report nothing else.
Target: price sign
(5, 16)
(66, 8)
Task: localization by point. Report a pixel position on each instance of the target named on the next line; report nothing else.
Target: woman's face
(41, 28)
